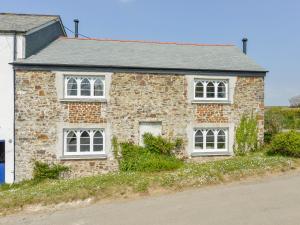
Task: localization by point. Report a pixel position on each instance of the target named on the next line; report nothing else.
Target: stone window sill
(200, 154)
(82, 100)
(83, 157)
(226, 102)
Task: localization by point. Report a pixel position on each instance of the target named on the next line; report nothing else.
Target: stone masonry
(134, 98)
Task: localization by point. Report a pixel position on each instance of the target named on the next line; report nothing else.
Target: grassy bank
(287, 118)
(126, 184)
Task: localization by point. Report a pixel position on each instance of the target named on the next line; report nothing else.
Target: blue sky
(272, 27)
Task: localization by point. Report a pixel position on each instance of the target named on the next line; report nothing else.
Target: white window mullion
(204, 139)
(216, 89)
(92, 82)
(92, 132)
(78, 80)
(215, 139)
(78, 141)
(204, 91)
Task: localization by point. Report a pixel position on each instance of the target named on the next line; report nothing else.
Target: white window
(84, 141)
(210, 89)
(210, 139)
(84, 87)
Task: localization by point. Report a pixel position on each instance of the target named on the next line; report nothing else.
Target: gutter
(48, 66)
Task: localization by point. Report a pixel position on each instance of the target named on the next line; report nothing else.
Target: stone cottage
(74, 95)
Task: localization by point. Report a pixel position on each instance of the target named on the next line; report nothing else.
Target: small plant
(44, 171)
(286, 144)
(246, 135)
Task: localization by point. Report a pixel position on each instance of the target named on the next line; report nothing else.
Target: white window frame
(78, 132)
(215, 131)
(216, 83)
(78, 80)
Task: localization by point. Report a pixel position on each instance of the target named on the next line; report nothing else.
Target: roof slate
(10, 22)
(139, 54)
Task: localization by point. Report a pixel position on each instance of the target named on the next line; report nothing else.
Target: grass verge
(125, 184)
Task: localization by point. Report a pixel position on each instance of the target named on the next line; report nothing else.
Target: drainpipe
(14, 125)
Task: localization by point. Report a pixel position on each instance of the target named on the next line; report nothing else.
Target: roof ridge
(27, 14)
(143, 41)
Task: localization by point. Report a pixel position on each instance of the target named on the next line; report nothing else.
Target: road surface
(271, 201)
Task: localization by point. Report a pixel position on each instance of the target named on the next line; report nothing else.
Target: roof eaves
(27, 64)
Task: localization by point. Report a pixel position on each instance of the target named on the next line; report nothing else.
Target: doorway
(2, 162)
(149, 127)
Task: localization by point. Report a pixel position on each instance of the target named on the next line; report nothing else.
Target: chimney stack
(76, 21)
(245, 40)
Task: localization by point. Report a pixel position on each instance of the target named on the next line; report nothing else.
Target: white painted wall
(7, 98)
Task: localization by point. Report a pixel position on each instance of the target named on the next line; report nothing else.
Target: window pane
(210, 140)
(221, 90)
(221, 145)
(210, 90)
(98, 148)
(198, 140)
(98, 88)
(199, 90)
(71, 142)
(98, 142)
(85, 142)
(72, 87)
(85, 87)
(221, 140)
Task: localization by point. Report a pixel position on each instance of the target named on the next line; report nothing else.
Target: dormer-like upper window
(210, 89)
(84, 87)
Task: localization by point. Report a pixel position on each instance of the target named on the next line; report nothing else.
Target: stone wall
(134, 98)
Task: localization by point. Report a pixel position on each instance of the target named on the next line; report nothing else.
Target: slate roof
(141, 54)
(11, 22)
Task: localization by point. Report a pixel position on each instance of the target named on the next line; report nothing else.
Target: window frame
(78, 132)
(216, 83)
(215, 130)
(79, 79)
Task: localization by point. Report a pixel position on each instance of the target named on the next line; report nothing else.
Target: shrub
(273, 124)
(246, 135)
(156, 155)
(286, 144)
(160, 145)
(43, 171)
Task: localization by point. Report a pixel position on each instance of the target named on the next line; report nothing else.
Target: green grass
(289, 118)
(126, 184)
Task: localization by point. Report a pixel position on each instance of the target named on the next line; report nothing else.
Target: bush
(158, 144)
(286, 144)
(246, 135)
(156, 155)
(44, 171)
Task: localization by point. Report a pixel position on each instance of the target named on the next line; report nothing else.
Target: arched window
(71, 142)
(98, 142)
(84, 142)
(221, 90)
(210, 139)
(98, 88)
(85, 87)
(72, 87)
(198, 139)
(199, 90)
(221, 140)
(210, 90)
